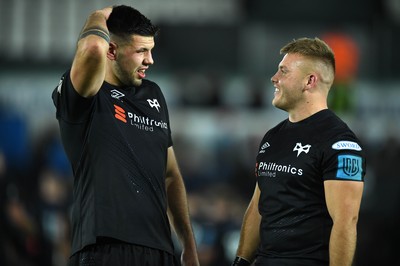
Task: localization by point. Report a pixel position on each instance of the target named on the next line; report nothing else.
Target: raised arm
(178, 211)
(343, 199)
(89, 65)
(250, 232)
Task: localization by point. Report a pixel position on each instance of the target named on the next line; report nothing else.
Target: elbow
(347, 222)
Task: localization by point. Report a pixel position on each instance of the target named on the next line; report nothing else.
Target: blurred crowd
(35, 193)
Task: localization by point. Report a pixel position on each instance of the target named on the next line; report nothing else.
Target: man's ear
(112, 51)
(311, 82)
(312, 79)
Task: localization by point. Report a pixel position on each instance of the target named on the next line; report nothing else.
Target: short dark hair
(125, 21)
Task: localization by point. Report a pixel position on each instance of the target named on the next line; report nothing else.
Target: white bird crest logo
(154, 104)
(299, 148)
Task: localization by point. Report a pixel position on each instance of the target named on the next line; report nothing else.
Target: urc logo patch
(349, 167)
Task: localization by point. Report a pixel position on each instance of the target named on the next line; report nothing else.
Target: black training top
(293, 162)
(117, 144)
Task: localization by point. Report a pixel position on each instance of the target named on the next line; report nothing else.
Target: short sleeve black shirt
(293, 162)
(117, 144)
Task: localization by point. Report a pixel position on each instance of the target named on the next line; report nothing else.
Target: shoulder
(150, 84)
(152, 89)
(338, 136)
(280, 126)
(329, 125)
(271, 133)
(338, 127)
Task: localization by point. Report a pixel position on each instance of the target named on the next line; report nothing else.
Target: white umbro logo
(60, 85)
(117, 94)
(299, 148)
(154, 104)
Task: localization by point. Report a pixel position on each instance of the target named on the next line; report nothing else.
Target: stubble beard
(126, 77)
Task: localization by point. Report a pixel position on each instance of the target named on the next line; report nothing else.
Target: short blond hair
(314, 49)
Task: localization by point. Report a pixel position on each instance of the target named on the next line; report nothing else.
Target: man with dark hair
(116, 132)
(310, 170)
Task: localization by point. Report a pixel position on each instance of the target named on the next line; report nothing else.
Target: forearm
(179, 212)
(94, 35)
(250, 233)
(342, 245)
(97, 20)
(89, 65)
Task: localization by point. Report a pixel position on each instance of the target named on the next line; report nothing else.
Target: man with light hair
(310, 171)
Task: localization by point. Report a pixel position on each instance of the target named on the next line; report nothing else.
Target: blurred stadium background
(214, 60)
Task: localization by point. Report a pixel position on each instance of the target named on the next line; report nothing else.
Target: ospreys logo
(300, 148)
(154, 104)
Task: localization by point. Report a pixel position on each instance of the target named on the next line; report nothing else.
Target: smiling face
(131, 60)
(290, 81)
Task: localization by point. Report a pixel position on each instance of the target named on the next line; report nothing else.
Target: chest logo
(299, 148)
(154, 104)
(120, 113)
(117, 94)
(60, 85)
(264, 146)
(346, 145)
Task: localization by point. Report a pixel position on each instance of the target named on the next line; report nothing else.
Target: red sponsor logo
(120, 113)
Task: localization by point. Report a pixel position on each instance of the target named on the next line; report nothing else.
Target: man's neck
(299, 115)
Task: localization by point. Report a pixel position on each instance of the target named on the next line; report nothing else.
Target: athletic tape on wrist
(239, 261)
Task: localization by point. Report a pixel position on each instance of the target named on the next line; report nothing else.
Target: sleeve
(170, 142)
(70, 106)
(344, 159)
(164, 103)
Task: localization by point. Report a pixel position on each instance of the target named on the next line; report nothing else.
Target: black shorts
(121, 254)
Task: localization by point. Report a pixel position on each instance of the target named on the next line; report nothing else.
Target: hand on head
(106, 11)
